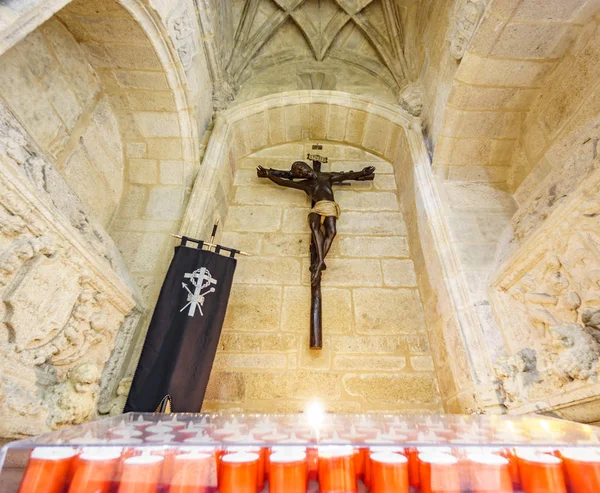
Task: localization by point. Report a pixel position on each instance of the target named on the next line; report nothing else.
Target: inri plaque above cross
(322, 219)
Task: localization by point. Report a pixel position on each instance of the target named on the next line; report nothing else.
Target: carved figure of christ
(322, 220)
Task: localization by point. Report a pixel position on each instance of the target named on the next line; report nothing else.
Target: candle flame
(315, 415)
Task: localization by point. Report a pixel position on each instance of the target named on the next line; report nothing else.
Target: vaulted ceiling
(356, 45)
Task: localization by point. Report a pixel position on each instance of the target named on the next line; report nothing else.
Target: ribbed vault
(312, 39)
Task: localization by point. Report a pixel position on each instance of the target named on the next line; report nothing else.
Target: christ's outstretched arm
(367, 173)
(275, 178)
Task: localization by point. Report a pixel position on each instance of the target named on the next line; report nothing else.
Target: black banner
(182, 340)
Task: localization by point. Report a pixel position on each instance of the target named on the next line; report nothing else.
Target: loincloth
(326, 208)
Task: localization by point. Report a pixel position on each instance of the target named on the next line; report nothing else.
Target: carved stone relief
(182, 27)
(61, 302)
(547, 300)
(18, 150)
(465, 23)
(411, 99)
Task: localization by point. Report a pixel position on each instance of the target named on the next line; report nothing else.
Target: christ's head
(302, 170)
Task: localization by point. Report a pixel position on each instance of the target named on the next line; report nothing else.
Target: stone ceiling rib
(244, 52)
(321, 27)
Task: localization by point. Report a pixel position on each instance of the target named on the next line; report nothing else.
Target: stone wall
(430, 23)
(375, 355)
(49, 84)
(65, 297)
(546, 300)
(389, 133)
(560, 133)
(504, 59)
(96, 104)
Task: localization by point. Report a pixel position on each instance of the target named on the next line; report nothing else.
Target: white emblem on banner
(202, 281)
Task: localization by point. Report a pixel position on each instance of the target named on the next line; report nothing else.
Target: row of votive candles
(289, 469)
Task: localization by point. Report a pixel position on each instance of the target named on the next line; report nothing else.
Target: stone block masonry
(375, 357)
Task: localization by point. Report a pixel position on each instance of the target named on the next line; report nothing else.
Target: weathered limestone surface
(64, 297)
(546, 300)
(99, 118)
(510, 55)
(369, 295)
(103, 112)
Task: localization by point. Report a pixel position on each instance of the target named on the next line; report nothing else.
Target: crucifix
(195, 299)
(322, 219)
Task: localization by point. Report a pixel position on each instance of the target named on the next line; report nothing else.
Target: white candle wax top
(435, 450)
(162, 437)
(87, 439)
(199, 438)
(389, 458)
(53, 453)
(275, 437)
(288, 449)
(582, 454)
(329, 452)
(353, 434)
(245, 448)
(194, 456)
(159, 429)
(436, 458)
(288, 456)
(335, 438)
(105, 453)
(127, 432)
(197, 450)
(538, 456)
(379, 439)
(173, 423)
(488, 459)
(143, 459)
(261, 430)
(240, 457)
(293, 439)
(394, 450)
(394, 437)
(126, 441)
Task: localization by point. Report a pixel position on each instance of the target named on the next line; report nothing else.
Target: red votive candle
(168, 454)
(47, 470)
(541, 473)
(238, 473)
(288, 472)
(513, 467)
(490, 474)
(213, 453)
(260, 468)
(141, 474)
(389, 473)
(312, 459)
(439, 473)
(375, 450)
(361, 456)
(96, 470)
(191, 473)
(414, 477)
(127, 452)
(336, 470)
(582, 467)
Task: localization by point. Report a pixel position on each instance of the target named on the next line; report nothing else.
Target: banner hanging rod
(214, 245)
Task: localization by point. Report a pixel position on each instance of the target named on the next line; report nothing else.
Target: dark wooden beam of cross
(322, 219)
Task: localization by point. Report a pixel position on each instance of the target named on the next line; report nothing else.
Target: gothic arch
(390, 133)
